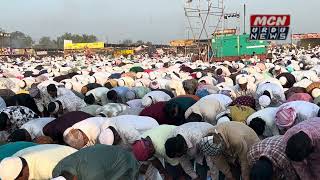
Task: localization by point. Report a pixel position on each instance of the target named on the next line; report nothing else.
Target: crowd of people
(76, 118)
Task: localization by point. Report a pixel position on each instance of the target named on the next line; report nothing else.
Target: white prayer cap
(106, 137)
(242, 80)
(22, 84)
(146, 101)
(59, 178)
(139, 75)
(315, 93)
(283, 80)
(152, 76)
(138, 83)
(92, 79)
(277, 68)
(10, 168)
(264, 101)
(199, 75)
(121, 82)
(68, 85)
(223, 120)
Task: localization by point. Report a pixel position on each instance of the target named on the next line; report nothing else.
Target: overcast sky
(148, 20)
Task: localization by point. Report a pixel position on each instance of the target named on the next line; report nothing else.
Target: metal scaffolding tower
(204, 17)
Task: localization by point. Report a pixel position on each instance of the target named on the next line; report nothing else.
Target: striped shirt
(310, 167)
(273, 148)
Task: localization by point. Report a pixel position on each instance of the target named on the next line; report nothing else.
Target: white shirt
(90, 127)
(44, 84)
(130, 127)
(112, 109)
(136, 103)
(100, 94)
(157, 96)
(192, 132)
(35, 126)
(223, 99)
(268, 115)
(305, 110)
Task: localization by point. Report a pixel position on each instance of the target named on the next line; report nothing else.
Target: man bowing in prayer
(101, 162)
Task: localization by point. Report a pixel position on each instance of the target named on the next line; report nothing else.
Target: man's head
(108, 85)
(171, 110)
(219, 71)
(299, 147)
(143, 149)
(89, 99)
(190, 86)
(243, 82)
(55, 107)
(14, 168)
(258, 125)
(193, 117)
(84, 90)
(176, 146)
(44, 140)
(285, 119)
(76, 138)
(52, 90)
(112, 95)
(262, 170)
(19, 135)
(4, 121)
(267, 93)
(212, 145)
(202, 82)
(277, 69)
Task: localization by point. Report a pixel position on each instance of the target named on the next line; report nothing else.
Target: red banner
(270, 20)
(306, 36)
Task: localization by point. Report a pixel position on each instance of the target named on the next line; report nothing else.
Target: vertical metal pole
(244, 18)
(291, 38)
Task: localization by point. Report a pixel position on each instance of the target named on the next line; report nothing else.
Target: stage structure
(204, 17)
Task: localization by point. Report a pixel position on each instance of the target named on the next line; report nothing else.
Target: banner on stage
(269, 27)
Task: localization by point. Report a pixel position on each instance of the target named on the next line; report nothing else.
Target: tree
(89, 38)
(47, 43)
(76, 38)
(20, 40)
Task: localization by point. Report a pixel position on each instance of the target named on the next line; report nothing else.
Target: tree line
(19, 39)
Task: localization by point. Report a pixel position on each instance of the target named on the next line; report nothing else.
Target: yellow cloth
(159, 135)
(22, 92)
(42, 159)
(241, 113)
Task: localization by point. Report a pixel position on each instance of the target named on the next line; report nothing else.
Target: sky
(158, 21)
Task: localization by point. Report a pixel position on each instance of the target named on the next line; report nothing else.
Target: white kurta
(90, 127)
(268, 115)
(35, 126)
(130, 127)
